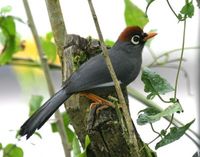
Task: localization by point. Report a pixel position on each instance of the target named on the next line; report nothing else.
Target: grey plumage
(126, 59)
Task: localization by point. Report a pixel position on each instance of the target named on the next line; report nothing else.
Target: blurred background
(19, 83)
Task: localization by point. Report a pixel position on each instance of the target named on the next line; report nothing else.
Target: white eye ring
(135, 39)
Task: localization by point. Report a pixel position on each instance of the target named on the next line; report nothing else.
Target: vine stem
(132, 137)
(181, 59)
(172, 10)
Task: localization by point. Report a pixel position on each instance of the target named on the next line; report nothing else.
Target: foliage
(154, 83)
(8, 35)
(134, 16)
(34, 103)
(11, 150)
(174, 134)
(49, 46)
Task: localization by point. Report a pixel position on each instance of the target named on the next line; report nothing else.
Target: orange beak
(149, 35)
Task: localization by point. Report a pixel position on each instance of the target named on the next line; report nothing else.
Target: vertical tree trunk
(104, 129)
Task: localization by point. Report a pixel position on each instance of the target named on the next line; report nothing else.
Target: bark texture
(108, 138)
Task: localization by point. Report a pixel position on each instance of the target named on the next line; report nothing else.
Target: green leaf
(11, 150)
(174, 134)
(1, 146)
(34, 103)
(49, 36)
(134, 16)
(5, 9)
(9, 38)
(70, 134)
(83, 154)
(188, 9)
(76, 147)
(87, 141)
(151, 115)
(49, 47)
(109, 43)
(154, 83)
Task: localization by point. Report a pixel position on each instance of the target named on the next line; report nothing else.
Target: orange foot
(98, 101)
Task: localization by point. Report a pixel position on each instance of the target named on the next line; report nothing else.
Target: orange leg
(97, 100)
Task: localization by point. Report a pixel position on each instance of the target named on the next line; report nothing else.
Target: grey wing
(92, 74)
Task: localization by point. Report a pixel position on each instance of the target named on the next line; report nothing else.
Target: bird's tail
(37, 120)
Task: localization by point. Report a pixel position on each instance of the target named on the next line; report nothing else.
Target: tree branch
(132, 136)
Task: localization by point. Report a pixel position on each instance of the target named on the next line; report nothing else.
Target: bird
(126, 58)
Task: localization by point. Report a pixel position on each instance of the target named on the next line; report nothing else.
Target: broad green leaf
(151, 115)
(8, 31)
(70, 134)
(174, 134)
(49, 36)
(83, 154)
(188, 9)
(134, 16)
(11, 150)
(154, 83)
(109, 43)
(1, 146)
(49, 48)
(8, 25)
(76, 147)
(34, 103)
(5, 9)
(87, 141)
(54, 127)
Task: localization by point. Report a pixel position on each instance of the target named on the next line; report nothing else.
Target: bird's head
(135, 35)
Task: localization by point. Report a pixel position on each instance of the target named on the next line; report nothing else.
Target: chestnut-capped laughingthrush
(126, 58)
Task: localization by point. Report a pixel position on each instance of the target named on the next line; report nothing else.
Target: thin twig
(132, 136)
(46, 70)
(171, 51)
(172, 10)
(170, 122)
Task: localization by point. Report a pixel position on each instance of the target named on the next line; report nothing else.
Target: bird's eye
(135, 39)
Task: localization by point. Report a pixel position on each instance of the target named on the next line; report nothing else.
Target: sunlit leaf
(49, 48)
(76, 147)
(11, 150)
(134, 15)
(154, 83)
(87, 141)
(109, 43)
(174, 134)
(70, 134)
(34, 103)
(9, 38)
